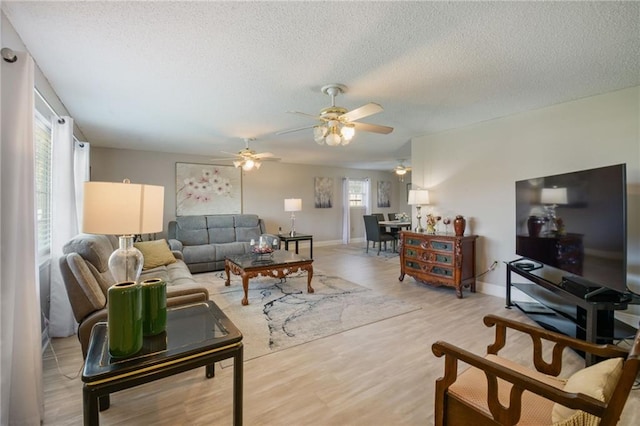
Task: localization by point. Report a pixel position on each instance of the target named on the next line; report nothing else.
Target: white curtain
(20, 338)
(346, 213)
(367, 196)
(69, 169)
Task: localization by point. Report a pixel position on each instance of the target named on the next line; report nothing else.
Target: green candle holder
(124, 319)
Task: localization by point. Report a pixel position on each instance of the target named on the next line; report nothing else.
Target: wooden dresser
(439, 260)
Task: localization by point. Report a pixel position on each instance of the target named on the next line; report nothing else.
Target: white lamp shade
(122, 208)
(553, 196)
(418, 197)
(292, 204)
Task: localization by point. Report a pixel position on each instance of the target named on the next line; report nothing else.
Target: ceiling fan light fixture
(257, 164)
(237, 164)
(401, 172)
(333, 139)
(248, 164)
(347, 132)
(319, 132)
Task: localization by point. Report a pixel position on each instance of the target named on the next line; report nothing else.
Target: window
(358, 192)
(42, 128)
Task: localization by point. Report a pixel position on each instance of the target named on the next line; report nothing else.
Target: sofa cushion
(85, 294)
(199, 254)
(220, 229)
(229, 249)
(247, 227)
(95, 249)
(597, 381)
(156, 253)
(190, 229)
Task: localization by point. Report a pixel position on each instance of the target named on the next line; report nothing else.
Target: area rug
(356, 250)
(281, 313)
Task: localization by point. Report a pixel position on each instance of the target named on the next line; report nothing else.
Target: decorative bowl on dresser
(439, 259)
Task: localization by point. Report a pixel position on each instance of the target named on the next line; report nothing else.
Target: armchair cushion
(597, 381)
(471, 387)
(156, 253)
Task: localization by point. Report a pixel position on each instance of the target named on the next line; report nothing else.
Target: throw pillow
(597, 381)
(156, 253)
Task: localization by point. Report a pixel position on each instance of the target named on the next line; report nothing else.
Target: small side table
(296, 238)
(197, 335)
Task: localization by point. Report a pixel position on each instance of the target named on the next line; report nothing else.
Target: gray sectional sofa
(85, 270)
(205, 241)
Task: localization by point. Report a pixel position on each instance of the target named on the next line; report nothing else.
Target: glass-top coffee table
(278, 264)
(197, 335)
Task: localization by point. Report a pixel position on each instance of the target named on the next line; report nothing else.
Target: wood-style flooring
(379, 374)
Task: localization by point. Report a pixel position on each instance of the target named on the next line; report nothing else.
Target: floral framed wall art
(208, 189)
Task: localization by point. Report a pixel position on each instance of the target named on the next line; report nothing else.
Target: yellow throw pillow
(597, 381)
(156, 253)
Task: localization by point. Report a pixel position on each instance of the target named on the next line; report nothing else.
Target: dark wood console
(570, 306)
(439, 259)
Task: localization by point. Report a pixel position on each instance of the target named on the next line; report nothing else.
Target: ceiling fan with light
(247, 158)
(401, 170)
(337, 125)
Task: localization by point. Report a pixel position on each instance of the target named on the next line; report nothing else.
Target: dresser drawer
(439, 271)
(428, 256)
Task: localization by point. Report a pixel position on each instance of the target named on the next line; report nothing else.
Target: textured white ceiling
(197, 77)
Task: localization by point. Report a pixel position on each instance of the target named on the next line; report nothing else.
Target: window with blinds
(43, 181)
(357, 192)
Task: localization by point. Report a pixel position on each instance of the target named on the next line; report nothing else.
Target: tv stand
(572, 307)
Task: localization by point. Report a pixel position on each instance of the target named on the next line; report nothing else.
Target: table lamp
(551, 198)
(292, 205)
(418, 198)
(123, 209)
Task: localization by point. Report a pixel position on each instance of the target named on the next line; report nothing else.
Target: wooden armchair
(496, 391)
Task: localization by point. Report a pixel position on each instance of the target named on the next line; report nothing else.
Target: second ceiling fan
(336, 125)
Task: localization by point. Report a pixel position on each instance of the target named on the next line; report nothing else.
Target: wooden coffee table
(278, 264)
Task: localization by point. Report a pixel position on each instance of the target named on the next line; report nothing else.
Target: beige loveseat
(86, 275)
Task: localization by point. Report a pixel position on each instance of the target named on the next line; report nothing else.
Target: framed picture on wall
(208, 189)
(384, 193)
(323, 193)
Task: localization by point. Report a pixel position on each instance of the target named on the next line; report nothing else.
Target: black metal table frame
(95, 394)
(296, 238)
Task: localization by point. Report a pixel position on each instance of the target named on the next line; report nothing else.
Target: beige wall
(263, 190)
(472, 170)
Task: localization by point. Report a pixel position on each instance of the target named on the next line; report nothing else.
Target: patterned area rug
(281, 313)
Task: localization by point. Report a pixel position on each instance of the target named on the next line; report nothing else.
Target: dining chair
(374, 233)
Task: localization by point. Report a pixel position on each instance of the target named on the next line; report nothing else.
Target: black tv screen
(575, 224)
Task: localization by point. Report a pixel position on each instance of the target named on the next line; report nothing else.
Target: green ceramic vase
(125, 319)
(154, 306)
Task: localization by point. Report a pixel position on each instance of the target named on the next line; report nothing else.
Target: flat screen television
(575, 225)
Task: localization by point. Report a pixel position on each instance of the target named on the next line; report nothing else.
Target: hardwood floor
(378, 374)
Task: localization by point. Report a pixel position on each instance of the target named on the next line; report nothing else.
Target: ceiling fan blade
(282, 132)
(270, 159)
(304, 114)
(373, 128)
(223, 159)
(364, 111)
(231, 153)
(263, 155)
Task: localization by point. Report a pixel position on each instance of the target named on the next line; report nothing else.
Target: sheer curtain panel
(20, 348)
(69, 170)
(346, 214)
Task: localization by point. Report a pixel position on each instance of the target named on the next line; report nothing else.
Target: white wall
(263, 190)
(472, 170)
